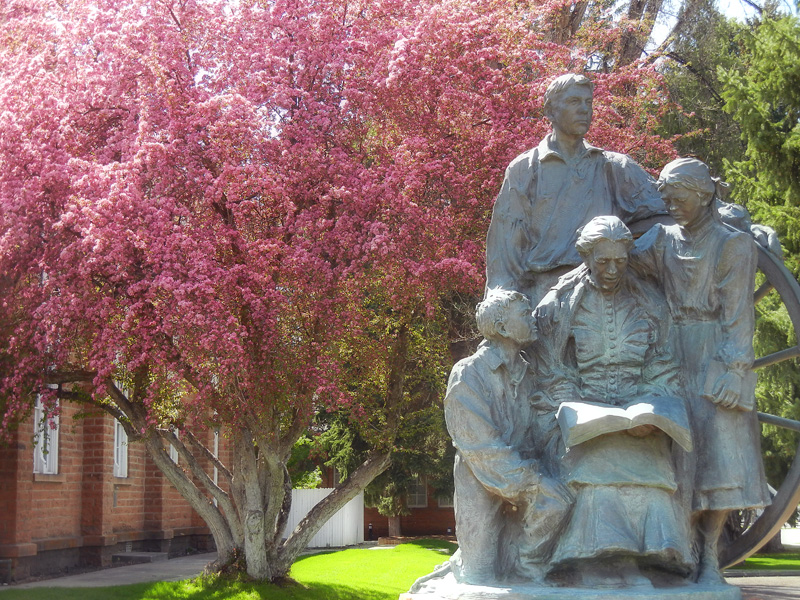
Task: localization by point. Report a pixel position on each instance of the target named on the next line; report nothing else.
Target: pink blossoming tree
(220, 214)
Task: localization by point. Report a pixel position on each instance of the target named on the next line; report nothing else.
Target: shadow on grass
(250, 591)
(432, 544)
(198, 590)
(125, 592)
(351, 574)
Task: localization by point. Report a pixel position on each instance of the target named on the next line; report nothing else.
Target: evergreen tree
(763, 97)
(708, 42)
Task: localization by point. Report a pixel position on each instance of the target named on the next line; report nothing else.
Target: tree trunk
(255, 545)
(774, 545)
(394, 526)
(252, 515)
(220, 528)
(255, 530)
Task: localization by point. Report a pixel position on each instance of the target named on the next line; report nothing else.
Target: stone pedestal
(447, 588)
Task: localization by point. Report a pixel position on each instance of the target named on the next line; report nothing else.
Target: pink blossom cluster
(208, 197)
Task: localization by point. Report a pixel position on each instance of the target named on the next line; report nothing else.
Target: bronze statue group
(605, 427)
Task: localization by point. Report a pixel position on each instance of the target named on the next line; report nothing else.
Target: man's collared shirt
(546, 197)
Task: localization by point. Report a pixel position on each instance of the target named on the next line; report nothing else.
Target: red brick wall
(147, 501)
(431, 520)
(10, 458)
(128, 493)
(55, 500)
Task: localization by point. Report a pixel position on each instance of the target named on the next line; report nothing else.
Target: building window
(120, 450)
(445, 500)
(173, 451)
(216, 455)
(45, 441)
(417, 493)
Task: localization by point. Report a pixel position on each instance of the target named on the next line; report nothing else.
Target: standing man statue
(552, 190)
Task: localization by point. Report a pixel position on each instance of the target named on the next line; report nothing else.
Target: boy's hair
(492, 310)
(688, 173)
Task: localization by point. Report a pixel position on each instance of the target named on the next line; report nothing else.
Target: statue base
(447, 588)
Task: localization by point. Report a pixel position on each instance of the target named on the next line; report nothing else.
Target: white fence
(345, 528)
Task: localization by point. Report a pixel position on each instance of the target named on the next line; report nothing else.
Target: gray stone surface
(555, 188)
(508, 510)
(176, 569)
(447, 588)
(707, 270)
(604, 344)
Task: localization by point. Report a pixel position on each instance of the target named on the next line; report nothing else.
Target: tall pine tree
(762, 95)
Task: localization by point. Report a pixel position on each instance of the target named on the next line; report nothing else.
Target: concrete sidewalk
(174, 569)
(768, 586)
(785, 587)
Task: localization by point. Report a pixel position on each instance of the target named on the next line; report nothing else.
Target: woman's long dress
(708, 278)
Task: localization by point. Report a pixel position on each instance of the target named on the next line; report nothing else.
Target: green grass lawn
(354, 574)
(784, 561)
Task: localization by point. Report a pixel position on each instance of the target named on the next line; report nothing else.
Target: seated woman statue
(607, 366)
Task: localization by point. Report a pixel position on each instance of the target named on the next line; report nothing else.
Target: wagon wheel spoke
(779, 421)
(776, 357)
(762, 292)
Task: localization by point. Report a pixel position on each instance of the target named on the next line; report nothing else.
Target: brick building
(85, 494)
(431, 514)
(89, 496)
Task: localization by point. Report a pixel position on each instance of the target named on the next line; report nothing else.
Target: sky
(738, 9)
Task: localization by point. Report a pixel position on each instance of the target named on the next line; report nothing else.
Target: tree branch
(689, 9)
(77, 376)
(190, 437)
(758, 8)
(197, 470)
(688, 65)
(286, 507)
(219, 525)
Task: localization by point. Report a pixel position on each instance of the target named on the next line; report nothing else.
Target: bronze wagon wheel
(785, 501)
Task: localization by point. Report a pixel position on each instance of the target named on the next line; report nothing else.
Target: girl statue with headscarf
(707, 270)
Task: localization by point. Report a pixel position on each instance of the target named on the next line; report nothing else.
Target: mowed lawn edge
(781, 561)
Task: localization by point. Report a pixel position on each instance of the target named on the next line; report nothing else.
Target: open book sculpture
(584, 421)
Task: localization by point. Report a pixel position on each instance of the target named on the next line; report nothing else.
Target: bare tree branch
(61, 377)
(374, 465)
(197, 470)
(197, 444)
(690, 7)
